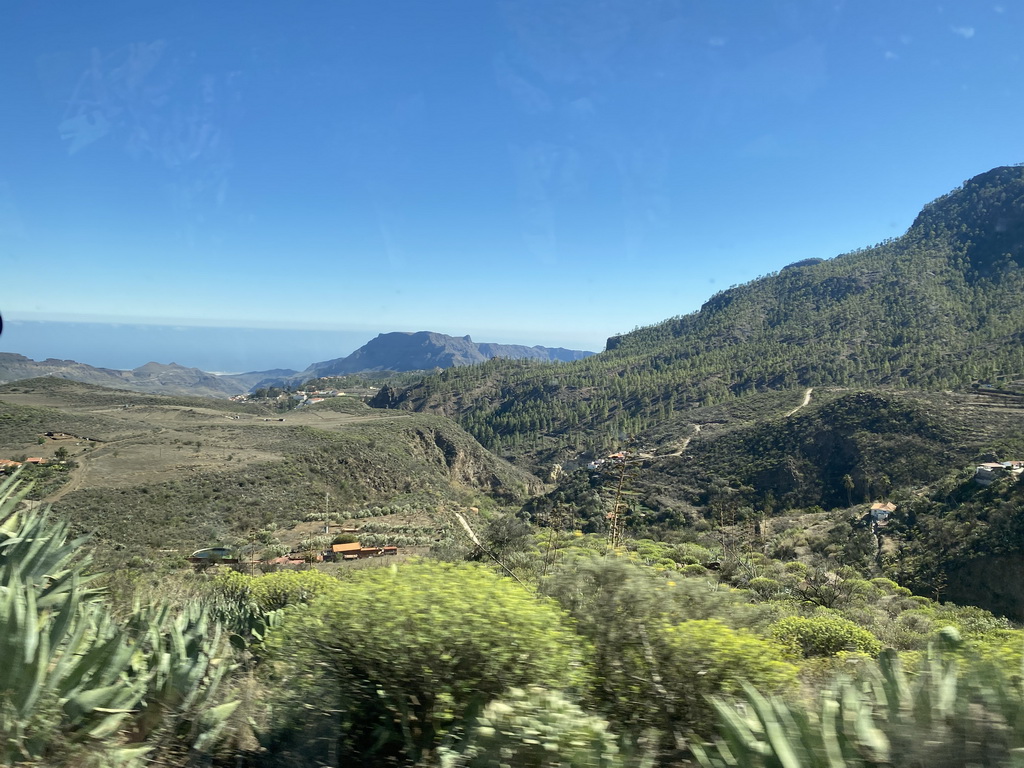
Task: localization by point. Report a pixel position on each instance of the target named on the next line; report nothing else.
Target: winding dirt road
(678, 451)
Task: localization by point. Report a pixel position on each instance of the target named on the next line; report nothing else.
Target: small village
(302, 397)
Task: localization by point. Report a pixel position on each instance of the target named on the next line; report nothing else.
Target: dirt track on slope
(807, 399)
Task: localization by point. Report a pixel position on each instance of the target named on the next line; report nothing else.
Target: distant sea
(218, 350)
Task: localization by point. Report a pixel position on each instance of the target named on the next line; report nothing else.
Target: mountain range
(153, 378)
(938, 308)
(421, 351)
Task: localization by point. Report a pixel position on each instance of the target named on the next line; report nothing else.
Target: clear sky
(527, 171)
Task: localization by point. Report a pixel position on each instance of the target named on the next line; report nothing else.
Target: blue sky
(529, 171)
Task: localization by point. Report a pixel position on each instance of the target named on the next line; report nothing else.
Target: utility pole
(615, 520)
(252, 551)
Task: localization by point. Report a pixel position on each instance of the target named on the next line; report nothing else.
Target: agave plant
(66, 671)
(185, 660)
(943, 716)
(35, 553)
(69, 676)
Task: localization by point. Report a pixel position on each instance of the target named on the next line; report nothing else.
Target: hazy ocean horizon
(221, 350)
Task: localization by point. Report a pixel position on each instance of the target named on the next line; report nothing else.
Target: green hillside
(941, 307)
(149, 472)
(762, 428)
(425, 458)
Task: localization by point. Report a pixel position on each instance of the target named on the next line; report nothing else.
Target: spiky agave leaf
(35, 550)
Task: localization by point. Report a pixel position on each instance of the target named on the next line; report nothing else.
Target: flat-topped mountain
(425, 350)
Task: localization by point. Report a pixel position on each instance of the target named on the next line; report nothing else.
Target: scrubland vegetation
(568, 654)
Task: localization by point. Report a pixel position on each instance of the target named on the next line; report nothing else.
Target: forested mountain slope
(846, 447)
(940, 307)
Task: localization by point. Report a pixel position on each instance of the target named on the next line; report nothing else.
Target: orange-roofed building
(880, 512)
(342, 551)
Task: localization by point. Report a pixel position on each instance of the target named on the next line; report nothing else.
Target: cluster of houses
(987, 473)
(614, 458)
(337, 553)
(305, 397)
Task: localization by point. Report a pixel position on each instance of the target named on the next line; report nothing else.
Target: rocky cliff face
(466, 463)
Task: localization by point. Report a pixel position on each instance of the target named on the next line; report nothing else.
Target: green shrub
(910, 630)
(887, 586)
(971, 621)
(538, 728)
(765, 588)
(621, 608)
(694, 569)
(274, 551)
(797, 569)
(705, 657)
(824, 634)
(314, 543)
(690, 553)
(405, 655)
